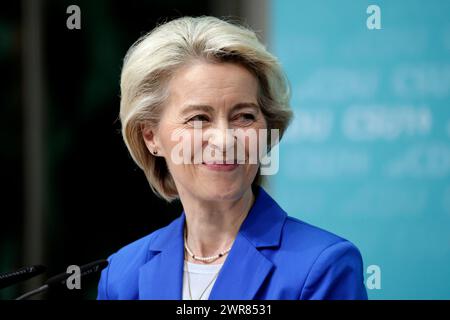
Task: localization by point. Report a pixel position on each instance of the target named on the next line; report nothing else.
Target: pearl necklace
(207, 259)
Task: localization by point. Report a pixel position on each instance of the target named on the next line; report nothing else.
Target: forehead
(213, 84)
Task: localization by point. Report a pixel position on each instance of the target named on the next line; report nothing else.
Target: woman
(232, 240)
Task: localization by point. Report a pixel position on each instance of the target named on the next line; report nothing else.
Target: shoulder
(141, 247)
(329, 266)
(300, 232)
(314, 242)
(294, 235)
(138, 250)
(121, 274)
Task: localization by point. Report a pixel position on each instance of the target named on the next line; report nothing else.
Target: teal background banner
(368, 155)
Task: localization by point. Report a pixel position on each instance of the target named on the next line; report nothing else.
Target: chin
(223, 191)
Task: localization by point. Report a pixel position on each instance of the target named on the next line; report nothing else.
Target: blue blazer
(274, 256)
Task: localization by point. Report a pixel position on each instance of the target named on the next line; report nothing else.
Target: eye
(199, 117)
(246, 117)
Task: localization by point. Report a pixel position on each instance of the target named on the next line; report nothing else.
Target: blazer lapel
(246, 268)
(161, 277)
(242, 273)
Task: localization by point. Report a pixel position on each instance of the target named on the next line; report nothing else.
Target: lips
(216, 166)
(219, 163)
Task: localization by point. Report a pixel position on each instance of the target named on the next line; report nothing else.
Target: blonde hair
(155, 57)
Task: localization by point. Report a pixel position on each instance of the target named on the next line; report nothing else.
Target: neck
(213, 226)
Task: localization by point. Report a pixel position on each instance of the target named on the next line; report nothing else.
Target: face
(222, 97)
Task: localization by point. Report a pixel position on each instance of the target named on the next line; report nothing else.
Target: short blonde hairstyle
(155, 57)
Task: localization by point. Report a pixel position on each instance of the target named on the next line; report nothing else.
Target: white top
(200, 277)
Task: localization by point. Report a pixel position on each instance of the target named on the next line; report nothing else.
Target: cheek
(173, 138)
(188, 145)
(254, 145)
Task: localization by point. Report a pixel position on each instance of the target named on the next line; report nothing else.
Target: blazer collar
(243, 271)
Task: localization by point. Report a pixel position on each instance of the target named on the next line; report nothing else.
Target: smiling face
(221, 96)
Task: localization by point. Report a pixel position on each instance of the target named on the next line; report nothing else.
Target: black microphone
(61, 278)
(9, 278)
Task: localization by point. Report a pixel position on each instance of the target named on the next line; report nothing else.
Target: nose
(220, 138)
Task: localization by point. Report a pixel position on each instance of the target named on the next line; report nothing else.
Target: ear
(151, 140)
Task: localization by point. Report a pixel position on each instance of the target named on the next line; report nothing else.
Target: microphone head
(25, 273)
(60, 279)
(85, 270)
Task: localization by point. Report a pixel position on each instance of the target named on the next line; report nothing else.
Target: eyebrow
(209, 109)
